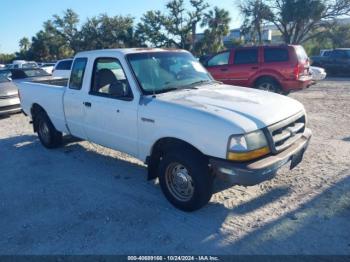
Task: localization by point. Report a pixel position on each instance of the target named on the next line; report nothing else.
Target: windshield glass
(4, 75)
(35, 72)
(159, 72)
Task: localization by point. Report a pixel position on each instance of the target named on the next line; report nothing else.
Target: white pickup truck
(162, 107)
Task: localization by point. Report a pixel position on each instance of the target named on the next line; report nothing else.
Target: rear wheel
(268, 84)
(185, 179)
(48, 135)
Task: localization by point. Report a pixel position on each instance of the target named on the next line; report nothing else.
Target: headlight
(248, 146)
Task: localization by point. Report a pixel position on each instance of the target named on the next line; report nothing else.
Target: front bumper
(257, 171)
(10, 105)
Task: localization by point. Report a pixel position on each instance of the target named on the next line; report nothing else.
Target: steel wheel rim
(44, 131)
(179, 182)
(266, 87)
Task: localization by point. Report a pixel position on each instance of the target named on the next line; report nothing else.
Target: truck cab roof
(126, 51)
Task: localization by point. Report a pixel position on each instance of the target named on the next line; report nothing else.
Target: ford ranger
(162, 107)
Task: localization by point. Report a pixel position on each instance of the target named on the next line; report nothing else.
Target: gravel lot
(85, 199)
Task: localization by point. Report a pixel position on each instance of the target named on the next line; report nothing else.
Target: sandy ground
(85, 199)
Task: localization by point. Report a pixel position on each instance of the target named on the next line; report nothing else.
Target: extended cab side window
(219, 59)
(77, 74)
(109, 79)
(246, 56)
(272, 55)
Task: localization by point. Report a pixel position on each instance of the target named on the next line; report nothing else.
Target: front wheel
(185, 179)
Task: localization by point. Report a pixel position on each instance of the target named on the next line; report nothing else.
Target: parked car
(279, 69)
(317, 73)
(325, 52)
(337, 62)
(62, 68)
(165, 109)
(48, 67)
(9, 100)
(17, 64)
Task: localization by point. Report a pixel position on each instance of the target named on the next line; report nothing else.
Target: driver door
(110, 110)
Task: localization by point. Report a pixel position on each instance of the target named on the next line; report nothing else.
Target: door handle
(224, 69)
(255, 67)
(87, 104)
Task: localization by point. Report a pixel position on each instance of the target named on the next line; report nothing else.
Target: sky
(23, 18)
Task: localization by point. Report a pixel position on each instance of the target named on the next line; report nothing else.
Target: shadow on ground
(75, 201)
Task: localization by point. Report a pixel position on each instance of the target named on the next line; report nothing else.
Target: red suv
(279, 69)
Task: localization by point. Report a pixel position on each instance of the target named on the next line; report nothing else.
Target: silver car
(9, 100)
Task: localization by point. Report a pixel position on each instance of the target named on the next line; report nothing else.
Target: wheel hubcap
(179, 182)
(266, 87)
(44, 132)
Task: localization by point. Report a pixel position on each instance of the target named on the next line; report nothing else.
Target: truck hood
(248, 109)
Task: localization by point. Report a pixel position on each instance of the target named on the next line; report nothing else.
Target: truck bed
(48, 94)
(62, 82)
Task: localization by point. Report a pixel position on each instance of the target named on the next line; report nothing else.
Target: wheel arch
(163, 145)
(34, 111)
(272, 77)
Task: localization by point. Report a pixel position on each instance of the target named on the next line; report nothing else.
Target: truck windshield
(159, 72)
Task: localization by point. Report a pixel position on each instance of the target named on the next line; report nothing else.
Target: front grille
(286, 132)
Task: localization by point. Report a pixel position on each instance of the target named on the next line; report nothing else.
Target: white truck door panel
(112, 123)
(73, 98)
(110, 110)
(74, 112)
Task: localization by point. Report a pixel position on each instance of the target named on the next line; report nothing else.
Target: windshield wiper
(200, 82)
(197, 83)
(171, 88)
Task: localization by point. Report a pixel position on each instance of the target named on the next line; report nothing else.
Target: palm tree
(24, 44)
(255, 12)
(217, 21)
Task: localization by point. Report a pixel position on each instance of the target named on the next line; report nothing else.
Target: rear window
(301, 54)
(275, 55)
(64, 65)
(246, 56)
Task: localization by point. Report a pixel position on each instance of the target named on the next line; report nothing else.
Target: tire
(269, 85)
(192, 175)
(47, 133)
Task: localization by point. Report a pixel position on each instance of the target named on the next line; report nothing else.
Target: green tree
(151, 29)
(301, 20)
(177, 24)
(255, 14)
(67, 27)
(108, 32)
(195, 17)
(174, 28)
(339, 35)
(24, 44)
(7, 58)
(217, 22)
